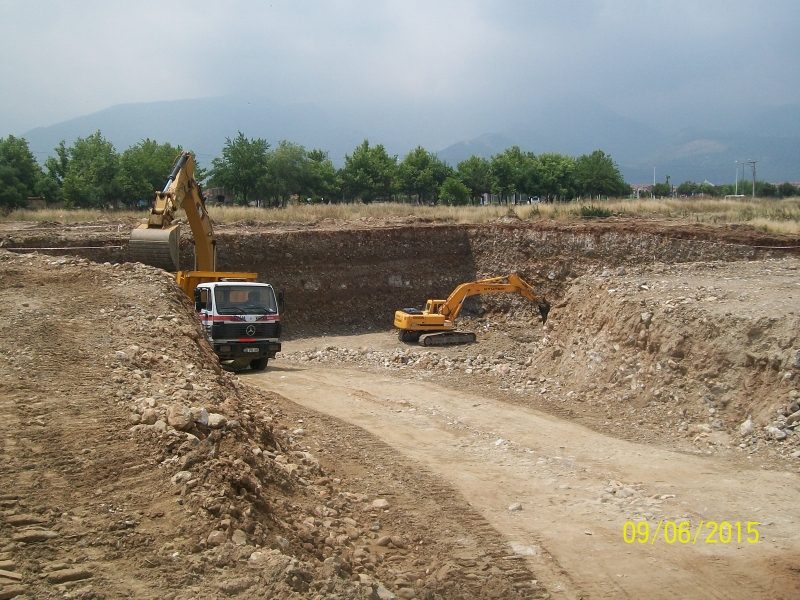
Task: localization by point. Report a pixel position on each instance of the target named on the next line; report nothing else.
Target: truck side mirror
(280, 300)
(201, 300)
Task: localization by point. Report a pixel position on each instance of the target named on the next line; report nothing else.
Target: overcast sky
(667, 63)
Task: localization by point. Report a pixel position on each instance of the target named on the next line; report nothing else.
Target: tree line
(91, 173)
(744, 187)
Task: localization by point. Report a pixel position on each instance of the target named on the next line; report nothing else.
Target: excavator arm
(512, 284)
(157, 242)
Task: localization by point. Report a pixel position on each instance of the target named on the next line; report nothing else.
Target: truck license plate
(250, 350)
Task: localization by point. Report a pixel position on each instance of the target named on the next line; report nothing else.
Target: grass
(779, 216)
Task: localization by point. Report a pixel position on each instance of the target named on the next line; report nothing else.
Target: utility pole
(752, 164)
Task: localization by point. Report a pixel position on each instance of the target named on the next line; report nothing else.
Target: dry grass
(780, 216)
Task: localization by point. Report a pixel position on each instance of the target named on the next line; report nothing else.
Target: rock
(216, 538)
(746, 428)
(12, 591)
(383, 541)
(406, 593)
(35, 535)
(385, 594)
(216, 421)
(398, 542)
(200, 415)
(236, 585)
(515, 507)
(149, 416)
(65, 575)
(776, 434)
(239, 537)
(181, 477)
(180, 417)
(281, 543)
(380, 503)
(793, 418)
(796, 454)
(23, 520)
(160, 425)
(647, 318)
(135, 418)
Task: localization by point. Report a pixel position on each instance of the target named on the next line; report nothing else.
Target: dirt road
(577, 488)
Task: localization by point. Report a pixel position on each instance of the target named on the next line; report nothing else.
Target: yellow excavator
(239, 315)
(434, 325)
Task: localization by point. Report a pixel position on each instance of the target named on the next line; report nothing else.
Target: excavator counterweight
(434, 325)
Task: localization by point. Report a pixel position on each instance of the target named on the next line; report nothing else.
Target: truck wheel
(259, 364)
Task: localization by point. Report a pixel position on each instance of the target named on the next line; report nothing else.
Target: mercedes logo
(251, 330)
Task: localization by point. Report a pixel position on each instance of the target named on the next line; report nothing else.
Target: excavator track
(447, 338)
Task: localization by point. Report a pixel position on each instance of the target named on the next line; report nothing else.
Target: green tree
(242, 168)
(87, 172)
(766, 189)
(787, 190)
(285, 171)
(369, 173)
(596, 174)
(453, 192)
(144, 168)
(20, 174)
(557, 175)
(662, 190)
(515, 172)
(421, 173)
(321, 182)
(476, 173)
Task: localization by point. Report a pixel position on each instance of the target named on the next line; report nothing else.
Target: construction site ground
(359, 466)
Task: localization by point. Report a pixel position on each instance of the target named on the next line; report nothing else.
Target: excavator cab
(434, 307)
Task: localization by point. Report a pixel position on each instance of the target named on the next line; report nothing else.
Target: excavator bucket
(157, 247)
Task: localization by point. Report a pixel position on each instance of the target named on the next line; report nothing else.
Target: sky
(670, 64)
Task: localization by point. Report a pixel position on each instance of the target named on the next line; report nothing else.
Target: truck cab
(241, 320)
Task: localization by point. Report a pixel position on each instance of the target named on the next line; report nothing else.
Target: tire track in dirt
(558, 471)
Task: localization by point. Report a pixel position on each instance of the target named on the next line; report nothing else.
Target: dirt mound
(132, 464)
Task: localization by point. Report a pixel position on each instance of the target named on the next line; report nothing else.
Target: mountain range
(769, 136)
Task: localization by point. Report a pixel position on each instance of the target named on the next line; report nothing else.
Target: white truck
(241, 320)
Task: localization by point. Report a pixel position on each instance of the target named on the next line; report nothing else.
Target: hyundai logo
(251, 330)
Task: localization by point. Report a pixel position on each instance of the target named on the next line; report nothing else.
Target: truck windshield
(242, 300)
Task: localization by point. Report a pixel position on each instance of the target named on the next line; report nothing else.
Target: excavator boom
(434, 325)
(157, 242)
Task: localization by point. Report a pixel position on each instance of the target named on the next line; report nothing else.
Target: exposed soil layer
(352, 277)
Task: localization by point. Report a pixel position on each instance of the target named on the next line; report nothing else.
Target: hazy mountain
(203, 124)
(769, 136)
(772, 138)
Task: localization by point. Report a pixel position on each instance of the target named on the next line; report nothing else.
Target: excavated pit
(353, 279)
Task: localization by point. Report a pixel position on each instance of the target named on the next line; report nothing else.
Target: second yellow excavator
(434, 325)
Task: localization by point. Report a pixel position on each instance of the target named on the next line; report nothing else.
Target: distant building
(36, 203)
(218, 196)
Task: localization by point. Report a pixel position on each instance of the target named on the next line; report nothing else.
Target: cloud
(468, 60)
